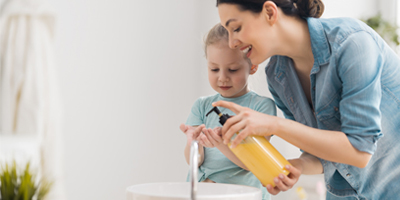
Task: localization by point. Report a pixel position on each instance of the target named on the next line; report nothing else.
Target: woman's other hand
(284, 183)
(247, 121)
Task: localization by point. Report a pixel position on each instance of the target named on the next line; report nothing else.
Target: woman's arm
(329, 145)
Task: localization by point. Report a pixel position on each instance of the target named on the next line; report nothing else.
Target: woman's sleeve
(359, 61)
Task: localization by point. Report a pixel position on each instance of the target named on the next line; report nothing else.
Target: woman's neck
(295, 42)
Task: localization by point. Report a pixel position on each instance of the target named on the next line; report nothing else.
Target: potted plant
(385, 29)
(21, 185)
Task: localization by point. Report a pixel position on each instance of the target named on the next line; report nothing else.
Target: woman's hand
(284, 183)
(248, 121)
(211, 137)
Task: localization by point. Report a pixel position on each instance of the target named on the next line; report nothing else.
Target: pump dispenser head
(222, 117)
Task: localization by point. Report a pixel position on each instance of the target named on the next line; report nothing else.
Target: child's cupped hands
(211, 137)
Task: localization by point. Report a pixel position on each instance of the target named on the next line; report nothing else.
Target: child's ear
(253, 69)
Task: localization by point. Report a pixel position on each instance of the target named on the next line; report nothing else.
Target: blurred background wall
(129, 73)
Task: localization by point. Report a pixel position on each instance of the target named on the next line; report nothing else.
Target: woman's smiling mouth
(247, 50)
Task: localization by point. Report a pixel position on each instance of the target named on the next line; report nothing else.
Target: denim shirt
(355, 89)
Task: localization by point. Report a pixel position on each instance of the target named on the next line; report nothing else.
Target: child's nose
(223, 77)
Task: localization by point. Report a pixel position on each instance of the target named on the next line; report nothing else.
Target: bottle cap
(222, 117)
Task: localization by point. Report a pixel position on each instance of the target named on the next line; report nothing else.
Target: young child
(228, 72)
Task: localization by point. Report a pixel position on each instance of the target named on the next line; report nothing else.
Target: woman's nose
(233, 43)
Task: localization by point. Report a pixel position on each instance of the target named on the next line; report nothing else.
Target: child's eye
(214, 70)
(233, 70)
(238, 29)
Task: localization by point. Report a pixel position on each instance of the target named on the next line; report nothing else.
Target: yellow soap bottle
(259, 156)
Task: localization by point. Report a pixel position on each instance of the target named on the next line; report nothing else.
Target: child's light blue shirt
(355, 88)
(217, 166)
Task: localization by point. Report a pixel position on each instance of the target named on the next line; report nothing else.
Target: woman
(337, 83)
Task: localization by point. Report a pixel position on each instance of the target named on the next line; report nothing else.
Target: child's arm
(192, 132)
(211, 138)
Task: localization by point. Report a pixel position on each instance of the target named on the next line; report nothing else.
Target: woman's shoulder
(338, 30)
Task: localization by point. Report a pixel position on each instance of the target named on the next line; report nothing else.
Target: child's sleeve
(196, 114)
(266, 106)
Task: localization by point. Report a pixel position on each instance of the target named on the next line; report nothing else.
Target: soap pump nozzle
(222, 117)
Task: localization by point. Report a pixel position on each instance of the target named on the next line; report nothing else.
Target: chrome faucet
(194, 162)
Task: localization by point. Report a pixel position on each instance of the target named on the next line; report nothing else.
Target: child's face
(228, 70)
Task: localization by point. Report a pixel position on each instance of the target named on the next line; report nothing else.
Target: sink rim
(254, 192)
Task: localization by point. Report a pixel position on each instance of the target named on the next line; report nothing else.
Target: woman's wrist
(277, 127)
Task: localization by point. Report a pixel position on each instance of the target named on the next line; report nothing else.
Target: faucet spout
(194, 162)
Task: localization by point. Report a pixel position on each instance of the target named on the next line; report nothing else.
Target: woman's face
(249, 32)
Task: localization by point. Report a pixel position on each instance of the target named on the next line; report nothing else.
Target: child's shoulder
(205, 100)
(262, 104)
(261, 99)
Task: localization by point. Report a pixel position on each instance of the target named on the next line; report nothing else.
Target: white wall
(129, 73)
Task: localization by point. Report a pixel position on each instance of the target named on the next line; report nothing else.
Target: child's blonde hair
(216, 35)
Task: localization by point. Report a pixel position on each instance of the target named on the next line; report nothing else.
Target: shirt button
(336, 109)
(348, 174)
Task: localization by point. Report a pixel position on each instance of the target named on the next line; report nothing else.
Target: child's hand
(192, 133)
(211, 137)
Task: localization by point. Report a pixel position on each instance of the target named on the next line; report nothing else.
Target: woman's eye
(214, 70)
(238, 29)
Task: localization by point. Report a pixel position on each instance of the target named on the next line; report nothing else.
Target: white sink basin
(181, 191)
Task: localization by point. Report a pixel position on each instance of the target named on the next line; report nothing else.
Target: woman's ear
(253, 69)
(270, 11)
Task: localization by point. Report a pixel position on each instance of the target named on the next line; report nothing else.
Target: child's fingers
(183, 128)
(207, 132)
(206, 141)
(217, 130)
(197, 131)
(215, 136)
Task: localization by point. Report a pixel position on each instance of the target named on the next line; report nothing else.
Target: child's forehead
(223, 55)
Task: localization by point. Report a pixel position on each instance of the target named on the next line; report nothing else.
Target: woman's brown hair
(301, 8)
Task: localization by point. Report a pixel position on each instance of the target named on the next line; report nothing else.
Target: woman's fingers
(284, 183)
(273, 190)
(235, 128)
(231, 106)
(294, 172)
